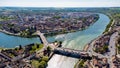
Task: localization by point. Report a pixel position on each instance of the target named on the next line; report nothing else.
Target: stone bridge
(42, 39)
(71, 53)
(63, 51)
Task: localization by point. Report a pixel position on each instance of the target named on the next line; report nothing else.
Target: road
(5, 56)
(111, 47)
(19, 57)
(90, 49)
(68, 50)
(111, 25)
(21, 18)
(43, 39)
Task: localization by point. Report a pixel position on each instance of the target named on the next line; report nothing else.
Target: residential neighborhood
(25, 24)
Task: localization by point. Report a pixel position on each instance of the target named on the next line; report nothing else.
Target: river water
(76, 40)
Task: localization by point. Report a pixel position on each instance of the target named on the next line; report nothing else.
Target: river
(78, 40)
(75, 40)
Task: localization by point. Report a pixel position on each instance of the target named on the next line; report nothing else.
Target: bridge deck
(43, 39)
(71, 52)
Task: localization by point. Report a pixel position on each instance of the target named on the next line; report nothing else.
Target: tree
(118, 40)
(20, 47)
(48, 48)
(42, 64)
(105, 48)
(60, 44)
(45, 58)
(37, 45)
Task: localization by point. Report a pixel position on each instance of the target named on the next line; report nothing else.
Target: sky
(60, 3)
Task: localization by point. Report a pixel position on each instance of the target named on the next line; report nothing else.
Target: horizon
(53, 7)
(60, 3)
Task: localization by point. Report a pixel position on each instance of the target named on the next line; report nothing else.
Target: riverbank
(65, 32)
(107, 29)
(88, 44)
(9, 33)
(17, 34)
(86, 47)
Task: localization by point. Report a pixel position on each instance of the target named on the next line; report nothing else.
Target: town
(101, 52)
(30, 56)
(105, 48)
(25, 23)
